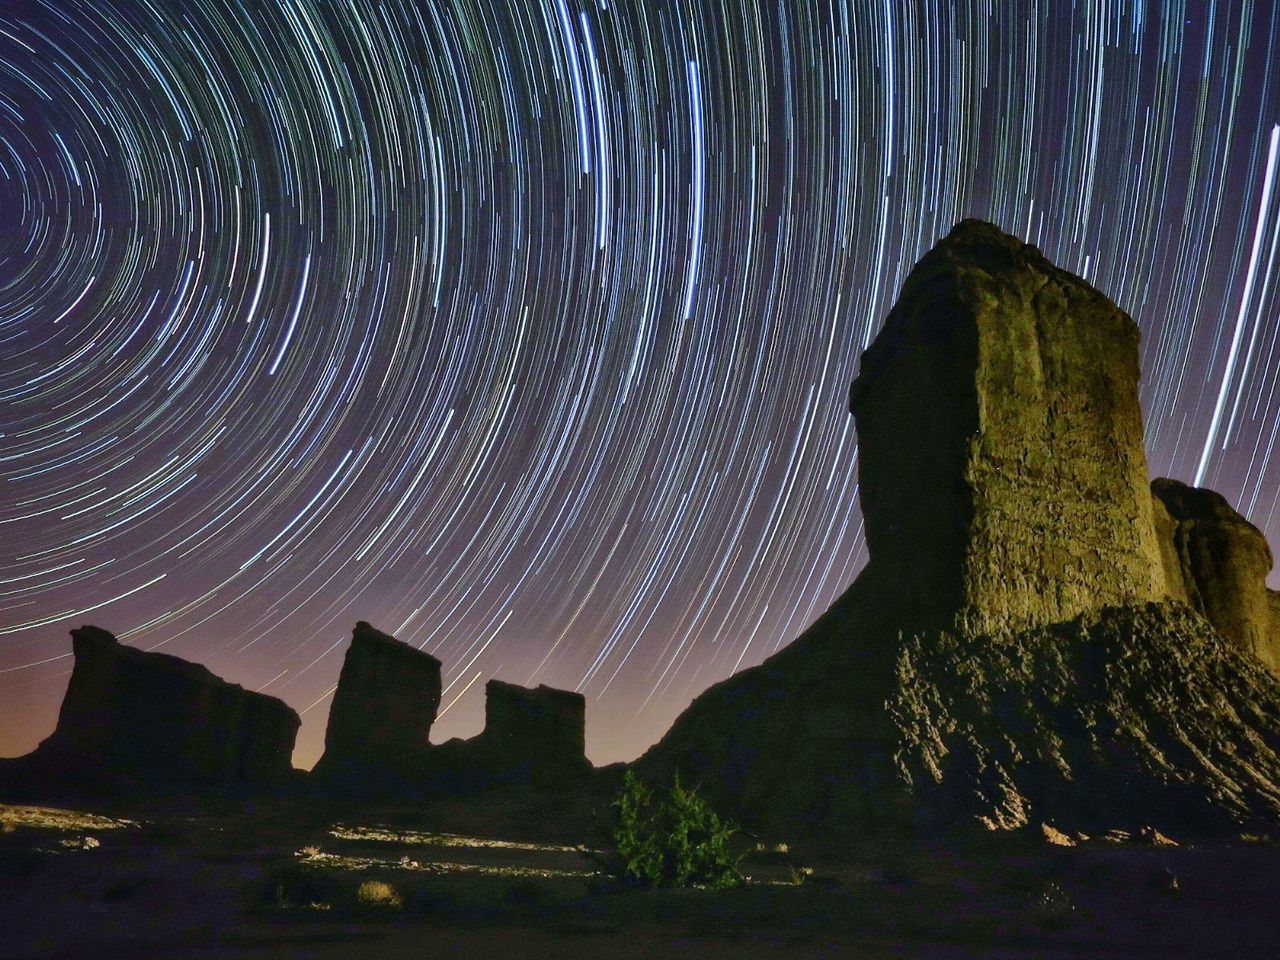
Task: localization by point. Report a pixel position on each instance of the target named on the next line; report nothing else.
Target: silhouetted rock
(543, 727)
(530, 736)
(1010, 655)
(1219, 562)
(386, 701)
(154, 717)
(1003, 476)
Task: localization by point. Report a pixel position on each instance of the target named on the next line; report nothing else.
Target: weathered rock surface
(1218, 561)
(155, 717)
(382, 711)
(1003, 475)
(1010, 655)
(1273, 601)
(1124, 717)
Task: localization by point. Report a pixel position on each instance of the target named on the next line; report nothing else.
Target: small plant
(377, 893)
(674, 840)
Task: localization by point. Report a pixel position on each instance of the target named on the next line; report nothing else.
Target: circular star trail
(523, 330)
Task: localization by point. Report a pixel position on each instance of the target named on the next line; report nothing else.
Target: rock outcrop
(152, 717)
(1003, 476)
(1012, 653)
(1218, 562)
(388, 693)
(383, 708)
(542, 728)
(1273, 602)
(530, 736)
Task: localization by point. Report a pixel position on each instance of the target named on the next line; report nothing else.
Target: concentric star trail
(523, 330)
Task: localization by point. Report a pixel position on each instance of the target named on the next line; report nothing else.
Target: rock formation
(386, 701)
(387, 696)
(1273, 602)
(530, 736)
(153, 717)
(543, 728)
(1218, 562)
(1003, 477)
(1011, 654)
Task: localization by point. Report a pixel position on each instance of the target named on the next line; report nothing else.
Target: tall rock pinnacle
(1003, 477)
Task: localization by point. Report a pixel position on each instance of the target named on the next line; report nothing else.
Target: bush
(377, 893)
(675, 840)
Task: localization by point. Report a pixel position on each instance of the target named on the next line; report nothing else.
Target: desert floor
(512, 878)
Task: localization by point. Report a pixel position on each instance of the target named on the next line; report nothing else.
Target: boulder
(1003, 475)
(1012, 653)
(383, 708)
(1218, 562)
(154, 717)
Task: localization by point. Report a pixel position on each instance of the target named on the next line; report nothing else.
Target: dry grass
(377, 893)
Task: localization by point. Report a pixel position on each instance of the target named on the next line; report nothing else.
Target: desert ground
(517, 876)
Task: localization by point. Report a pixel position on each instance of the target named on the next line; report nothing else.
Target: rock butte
(382, 710)
(386, 700)
(1028, 642)
(154, 717)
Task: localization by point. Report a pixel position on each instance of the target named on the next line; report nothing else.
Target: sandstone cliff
(1218, 562)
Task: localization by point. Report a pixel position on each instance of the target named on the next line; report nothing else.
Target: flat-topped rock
(383, 708)
(156, 717)
(1003, 475)
(542, 726)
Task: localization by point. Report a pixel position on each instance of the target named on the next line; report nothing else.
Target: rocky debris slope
(156, 718)
(383, 708)
(1218, 562)
(1015, 651)
(1122, 718)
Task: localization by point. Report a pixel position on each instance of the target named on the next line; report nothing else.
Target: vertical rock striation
(1218, 562)
(1003, 476)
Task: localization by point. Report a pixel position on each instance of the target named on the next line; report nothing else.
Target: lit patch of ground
(380, 834)
(50, 818)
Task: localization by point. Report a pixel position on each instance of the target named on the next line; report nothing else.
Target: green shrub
(673, 840)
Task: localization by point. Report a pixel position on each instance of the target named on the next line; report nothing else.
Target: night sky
(523, 329)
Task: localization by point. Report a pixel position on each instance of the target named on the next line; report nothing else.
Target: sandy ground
(509, 881)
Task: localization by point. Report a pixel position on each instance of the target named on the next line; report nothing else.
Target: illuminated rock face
(1003, 476)
(386, 701)
(156, 717)
(1024, 646)
(1218, 562)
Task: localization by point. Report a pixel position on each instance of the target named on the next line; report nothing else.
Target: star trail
(523, 330)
